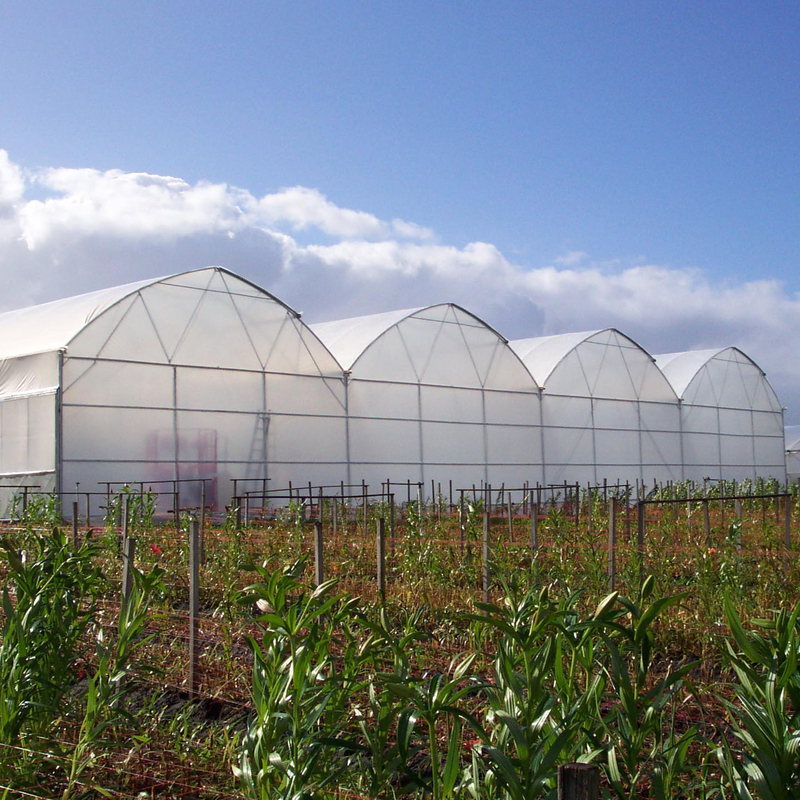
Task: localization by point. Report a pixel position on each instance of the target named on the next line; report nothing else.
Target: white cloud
(571, 259)
(12, 184)
(306, 208)
(88, 202)
(98, 228)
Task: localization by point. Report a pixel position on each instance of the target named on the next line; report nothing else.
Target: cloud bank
(66, 231)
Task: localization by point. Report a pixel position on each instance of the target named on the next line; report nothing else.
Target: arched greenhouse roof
(208, 317)
(348, 338)
(725, 377)
(792, 438)
(441, 344)
(52, 326)
(602, 363)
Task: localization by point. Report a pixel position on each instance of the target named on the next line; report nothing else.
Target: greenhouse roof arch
(208, 317)
(53, 326)
(725, 377)
(442, 344)
(603, 363)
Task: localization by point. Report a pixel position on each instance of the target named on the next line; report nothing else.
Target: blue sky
(554, 165)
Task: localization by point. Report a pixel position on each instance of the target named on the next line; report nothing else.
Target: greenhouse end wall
(201, 377)
(436, 395)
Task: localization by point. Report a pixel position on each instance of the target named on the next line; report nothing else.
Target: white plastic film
(28, 374)
(384, 441)
(27, 434)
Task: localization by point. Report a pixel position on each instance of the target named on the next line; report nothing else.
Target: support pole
(319, 573)
(194, 603)
(787, 522)
(391, 520)
(75, 523)
(640, 537)
(381, 558)
(612, 543)
(128, 555)
(534, 526)
(202, 522)
(578, 782)
(124, 520)
(462, 522)
(487, 575)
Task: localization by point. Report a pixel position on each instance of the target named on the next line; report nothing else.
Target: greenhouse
(608, 412)
(792, 454)
(435, 394)
(731, 419)
(201, 375)
(206, 377)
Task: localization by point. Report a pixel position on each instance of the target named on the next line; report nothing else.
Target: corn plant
(54, 589)
(108, 686)
(766, 709)
(636, 733)
(294, 683)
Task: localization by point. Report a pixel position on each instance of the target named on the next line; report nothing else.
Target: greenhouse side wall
(28, 409)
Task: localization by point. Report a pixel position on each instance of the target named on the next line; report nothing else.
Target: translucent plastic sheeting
(27, 434)
(604, 382)
(50, 326)
(452, 443)
(435, 392)
(439, 345)
(598, 364)
(36, 481)
(370, 399)
(114, 383)
(725, 393)
(28, 374)
(385, 442)
(200, 374)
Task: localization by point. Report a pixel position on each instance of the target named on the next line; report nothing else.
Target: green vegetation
(683, 682)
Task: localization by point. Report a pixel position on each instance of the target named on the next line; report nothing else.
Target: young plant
(766, 709)
(294, 682)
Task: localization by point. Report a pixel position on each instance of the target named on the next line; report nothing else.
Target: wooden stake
(381, 558)
(319, 573)
(578, 782)
(612, 543)
(194, 603)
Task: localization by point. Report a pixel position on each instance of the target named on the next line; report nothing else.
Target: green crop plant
(108, 685)
(41, 511)
(436, 700)
(294, 683)
(765, 711)
(637, 736)
(54, 589)
(528, 730)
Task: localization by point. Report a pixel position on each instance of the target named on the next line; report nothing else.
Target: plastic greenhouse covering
(435, 394)
(792, 434)
(199, 375)
(731, 419)
(608, 411)
(204, 375)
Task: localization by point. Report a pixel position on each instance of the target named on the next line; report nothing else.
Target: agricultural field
(482, 653)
